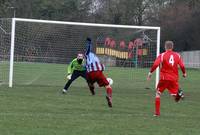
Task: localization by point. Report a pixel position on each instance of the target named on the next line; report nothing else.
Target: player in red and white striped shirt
(93, 63)
(169, 62)
(95, 72)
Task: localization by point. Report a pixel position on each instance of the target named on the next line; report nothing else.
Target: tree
(179, 19)
(179, 22)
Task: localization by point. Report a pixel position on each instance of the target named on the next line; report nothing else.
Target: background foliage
(179, 19)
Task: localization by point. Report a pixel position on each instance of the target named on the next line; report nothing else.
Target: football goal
(35, 52)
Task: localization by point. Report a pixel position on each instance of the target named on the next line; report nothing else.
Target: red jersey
(169, 62)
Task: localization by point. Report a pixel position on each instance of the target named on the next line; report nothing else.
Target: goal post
(46, 41)
(157, 54)
(12, 46)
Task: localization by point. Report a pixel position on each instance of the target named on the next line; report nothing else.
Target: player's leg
(179, 95)
(91, 87)
(102, 81)
(160, 88)
(157, 103)
(175, 91)
(74, 76)
(109, 95)
(88, 78)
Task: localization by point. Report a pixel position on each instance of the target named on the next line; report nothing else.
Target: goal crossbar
(87, 24)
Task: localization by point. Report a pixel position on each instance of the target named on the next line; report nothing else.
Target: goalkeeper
(75, 69)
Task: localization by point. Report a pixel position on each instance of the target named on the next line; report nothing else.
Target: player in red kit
(169, 62)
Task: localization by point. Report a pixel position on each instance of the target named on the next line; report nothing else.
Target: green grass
(34, 106)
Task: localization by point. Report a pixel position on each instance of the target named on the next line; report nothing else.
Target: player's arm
(182, 66)
(70, 70)
(153, 68)
(70, 67)
(89, 46)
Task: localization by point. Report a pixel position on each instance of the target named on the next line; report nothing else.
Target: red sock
(109, 91)
(157, 105)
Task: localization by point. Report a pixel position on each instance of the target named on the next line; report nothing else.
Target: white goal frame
(14, 20)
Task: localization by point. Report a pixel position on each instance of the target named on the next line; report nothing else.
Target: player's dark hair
(88, 39)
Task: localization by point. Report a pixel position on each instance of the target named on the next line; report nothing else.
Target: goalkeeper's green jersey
(75, 66)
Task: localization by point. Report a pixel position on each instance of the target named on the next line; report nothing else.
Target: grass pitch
(35, 106)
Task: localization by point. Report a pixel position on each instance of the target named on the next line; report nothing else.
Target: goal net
(5, 38)
(40, 50)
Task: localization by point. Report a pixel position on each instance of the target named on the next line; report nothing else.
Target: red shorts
(97, 76)
(172, 86)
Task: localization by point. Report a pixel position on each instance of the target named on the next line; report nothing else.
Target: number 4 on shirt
(171, 60)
